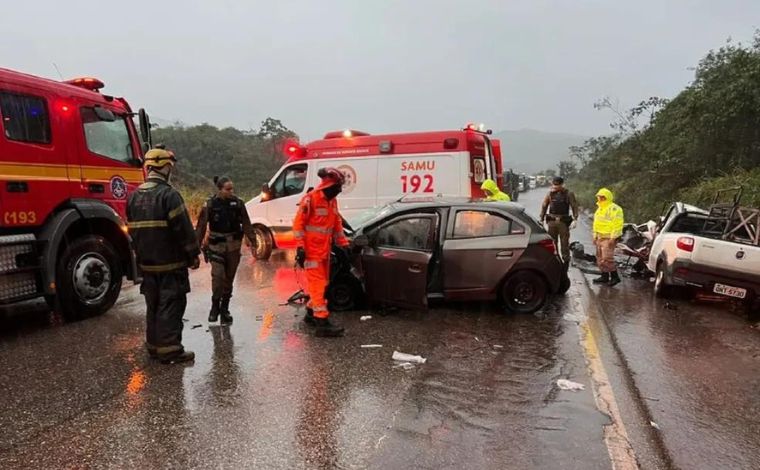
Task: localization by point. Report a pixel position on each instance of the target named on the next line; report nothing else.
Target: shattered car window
(408, 233)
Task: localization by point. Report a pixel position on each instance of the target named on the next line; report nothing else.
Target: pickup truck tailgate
(727, 255)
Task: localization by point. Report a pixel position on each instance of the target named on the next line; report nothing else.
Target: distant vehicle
(455, 249)
(379, 169)
(701, 249)
(541, 180)
(69, 157)
(532, 182)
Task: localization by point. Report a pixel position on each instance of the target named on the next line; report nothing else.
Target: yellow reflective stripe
(148, 224)
(321, 211)
(177, 211)
(323, 230)
(311, 264)
(159, 268)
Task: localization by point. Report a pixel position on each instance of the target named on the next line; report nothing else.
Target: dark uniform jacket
(560, 204)
(225, 218)
(160, 227)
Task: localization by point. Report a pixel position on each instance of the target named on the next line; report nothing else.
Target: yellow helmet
(159, 158)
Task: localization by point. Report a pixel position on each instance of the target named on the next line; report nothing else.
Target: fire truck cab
(69, 157)
(379, 169)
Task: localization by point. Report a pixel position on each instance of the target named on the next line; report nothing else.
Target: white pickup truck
(684, 254)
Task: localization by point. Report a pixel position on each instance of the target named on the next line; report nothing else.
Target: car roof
(412, 203)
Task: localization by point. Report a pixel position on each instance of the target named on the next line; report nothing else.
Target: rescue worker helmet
(159, 158)
(331, 174)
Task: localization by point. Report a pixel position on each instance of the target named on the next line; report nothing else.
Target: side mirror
(145, 128)
(361, 241)
(265, 188)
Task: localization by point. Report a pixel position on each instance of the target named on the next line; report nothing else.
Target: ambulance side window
(25, 118)
(109, 139)
(291, 181)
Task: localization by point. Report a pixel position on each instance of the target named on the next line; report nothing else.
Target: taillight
(685, 244)
(548, 245)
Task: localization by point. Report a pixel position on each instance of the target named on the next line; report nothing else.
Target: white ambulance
(379, 169)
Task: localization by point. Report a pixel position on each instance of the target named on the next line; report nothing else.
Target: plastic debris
(365, 317)
(196, 326)
(654, 425)
(399, 356)
(404, 365)
(477, 339)
(498, 346)
(367, 346)
(565, 384)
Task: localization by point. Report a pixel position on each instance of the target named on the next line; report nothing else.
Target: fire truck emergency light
(88, 83)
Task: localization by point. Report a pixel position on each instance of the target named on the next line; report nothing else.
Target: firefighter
(559, 203)
(608, 228)
(166, 246)
(227, 220)
(493, 193)
(316, 227)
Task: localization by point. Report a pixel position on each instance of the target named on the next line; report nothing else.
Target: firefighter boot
(309, 317)
(213, 314)
(603, 279)
(184, 356)
(325, 329)
(224, 310)
(614, 279)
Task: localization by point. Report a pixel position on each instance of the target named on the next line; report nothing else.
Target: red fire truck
(69, 157)
(379, 169)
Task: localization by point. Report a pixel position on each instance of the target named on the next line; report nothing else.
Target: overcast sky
(379, 66)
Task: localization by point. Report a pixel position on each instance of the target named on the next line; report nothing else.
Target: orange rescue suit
(316, 227)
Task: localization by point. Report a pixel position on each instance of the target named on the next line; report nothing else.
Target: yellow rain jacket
(608, 219)
(493, 193)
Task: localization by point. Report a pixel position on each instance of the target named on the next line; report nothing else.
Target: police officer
(316, 227)
(559, 220)
(166, 246)
(228, 220)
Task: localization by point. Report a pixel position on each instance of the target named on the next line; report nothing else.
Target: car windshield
(361, 218)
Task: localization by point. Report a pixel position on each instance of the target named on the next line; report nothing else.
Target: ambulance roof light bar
(345, 134)
(471, 126)
(88, 83)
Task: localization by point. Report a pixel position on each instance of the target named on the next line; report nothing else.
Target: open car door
(395, 265)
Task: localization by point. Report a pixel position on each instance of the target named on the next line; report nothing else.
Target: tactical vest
(225, 215)
(559, 202)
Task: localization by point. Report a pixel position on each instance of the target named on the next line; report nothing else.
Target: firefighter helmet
(159, 158)
(331, 174)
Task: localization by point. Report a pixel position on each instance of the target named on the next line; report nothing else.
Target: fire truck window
(477, 224)
(291, 181)
(411, 233)
(109, 139)
(25, 118)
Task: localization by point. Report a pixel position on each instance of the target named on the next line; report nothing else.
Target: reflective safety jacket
(493, 192)
(608, 219)
(162, 234)
(318, 225)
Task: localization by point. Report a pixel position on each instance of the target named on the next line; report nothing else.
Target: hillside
(531, 151)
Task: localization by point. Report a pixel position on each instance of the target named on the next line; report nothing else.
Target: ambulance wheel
(264, 242)
(344, 293)
(88, 277)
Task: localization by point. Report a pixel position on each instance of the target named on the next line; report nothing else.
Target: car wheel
(88, 277)
(264, 242)
(524, 292)
(344, 293)
(661, 289)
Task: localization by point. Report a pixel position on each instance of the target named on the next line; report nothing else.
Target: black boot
(325, 329)
(213, 314)
(614, 279)
(309, 317)
(176, 358)
(603, 279)
(224, 310)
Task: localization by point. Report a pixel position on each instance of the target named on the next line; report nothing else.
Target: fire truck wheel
(264, 242)
(88, 277)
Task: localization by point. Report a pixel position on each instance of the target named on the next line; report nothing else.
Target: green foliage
(711, 129)
(250, 158)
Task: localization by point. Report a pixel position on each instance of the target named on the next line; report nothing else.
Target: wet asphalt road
(265, 393)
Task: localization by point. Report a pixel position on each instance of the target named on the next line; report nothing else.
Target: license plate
(737, 292)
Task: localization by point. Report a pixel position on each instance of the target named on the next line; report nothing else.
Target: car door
(481, 246)
(396, 263)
